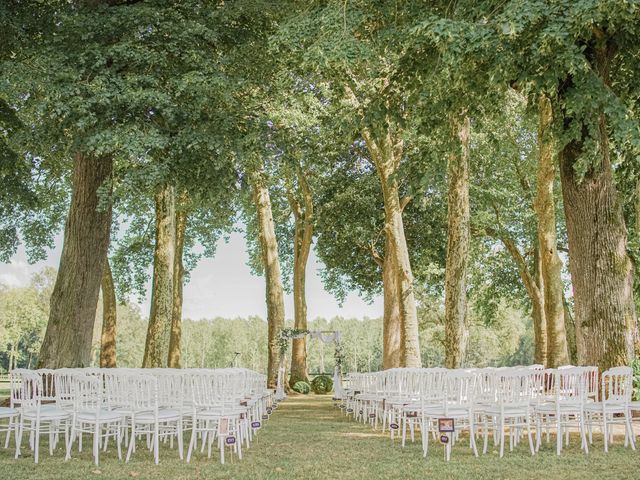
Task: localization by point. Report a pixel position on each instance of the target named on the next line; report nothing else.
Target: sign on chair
(446, 425)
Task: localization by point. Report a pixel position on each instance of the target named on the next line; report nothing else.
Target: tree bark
(273, 279)
(392, 321)
(67, 341)
(175, 339)
(303, 236)
(551, 265)
(456, 331)
(157, 344)
(537, 302)
(601, 270)
(571, 334)
(385, 155)
(109, 319)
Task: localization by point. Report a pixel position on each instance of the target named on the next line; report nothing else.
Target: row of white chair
(496, 400)
(226, 405)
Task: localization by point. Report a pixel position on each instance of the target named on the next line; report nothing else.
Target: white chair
(148, 419)
(11, 413)
(512, 409)
(617, 388)
(564, 403)
(214, 414)
(91, 416)
(34, 415)
(459, 387)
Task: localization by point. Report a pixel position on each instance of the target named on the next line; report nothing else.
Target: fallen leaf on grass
(134, 474)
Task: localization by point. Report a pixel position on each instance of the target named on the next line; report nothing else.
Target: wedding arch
(325, 336)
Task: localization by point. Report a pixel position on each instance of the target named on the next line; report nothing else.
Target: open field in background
(4, 390)
(307, 438)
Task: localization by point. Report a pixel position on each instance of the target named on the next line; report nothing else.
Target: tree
(550, 264)
(271, 264)
(67, 342)
(578, 69)
(456, 332)
(175, 339)
(345, 47)
(109, 320)
(156, 350)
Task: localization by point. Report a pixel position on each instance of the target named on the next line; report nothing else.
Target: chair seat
(219, 413)
(613, 407)
(163, 416)
(439, 411)
(634, 405)
(105, 416)
(6, 412)
(563, 408)
(49, 413)
(508, 410)
(370, 397)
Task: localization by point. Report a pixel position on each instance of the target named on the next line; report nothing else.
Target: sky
(221, 287)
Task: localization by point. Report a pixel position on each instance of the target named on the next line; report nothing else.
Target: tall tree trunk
(175, 339)
(392, 322)
(157, 345)
(67, 341)
(537, 301)
(13, 357)
(455, 287)
(386, 155)
(109, 319)
(303, 237)
(571, 334)
(551, 265)
(638, 208)
(273, 279)
(601, 270)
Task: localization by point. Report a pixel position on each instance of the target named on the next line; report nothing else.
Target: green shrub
(302, 387)
(322, 384)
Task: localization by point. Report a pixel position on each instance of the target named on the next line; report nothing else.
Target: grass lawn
(307, 438)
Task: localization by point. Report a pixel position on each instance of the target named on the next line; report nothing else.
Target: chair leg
(19, 437)
(194, 433)
(36, 447)
(629, 429)
(119, 439)
(583, 434)
(558, 434)
(501, 423)
(605, 430)
(69, 441)
(485, 434)
(424, 431)
(156, 445)
(180, 439)
(472, 435)
(132, 442)
(96, 443)
(528, 420)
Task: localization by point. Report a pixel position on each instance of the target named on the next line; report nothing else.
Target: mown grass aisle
(308, 438)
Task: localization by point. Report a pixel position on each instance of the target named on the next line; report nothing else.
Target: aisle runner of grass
(307, 438)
